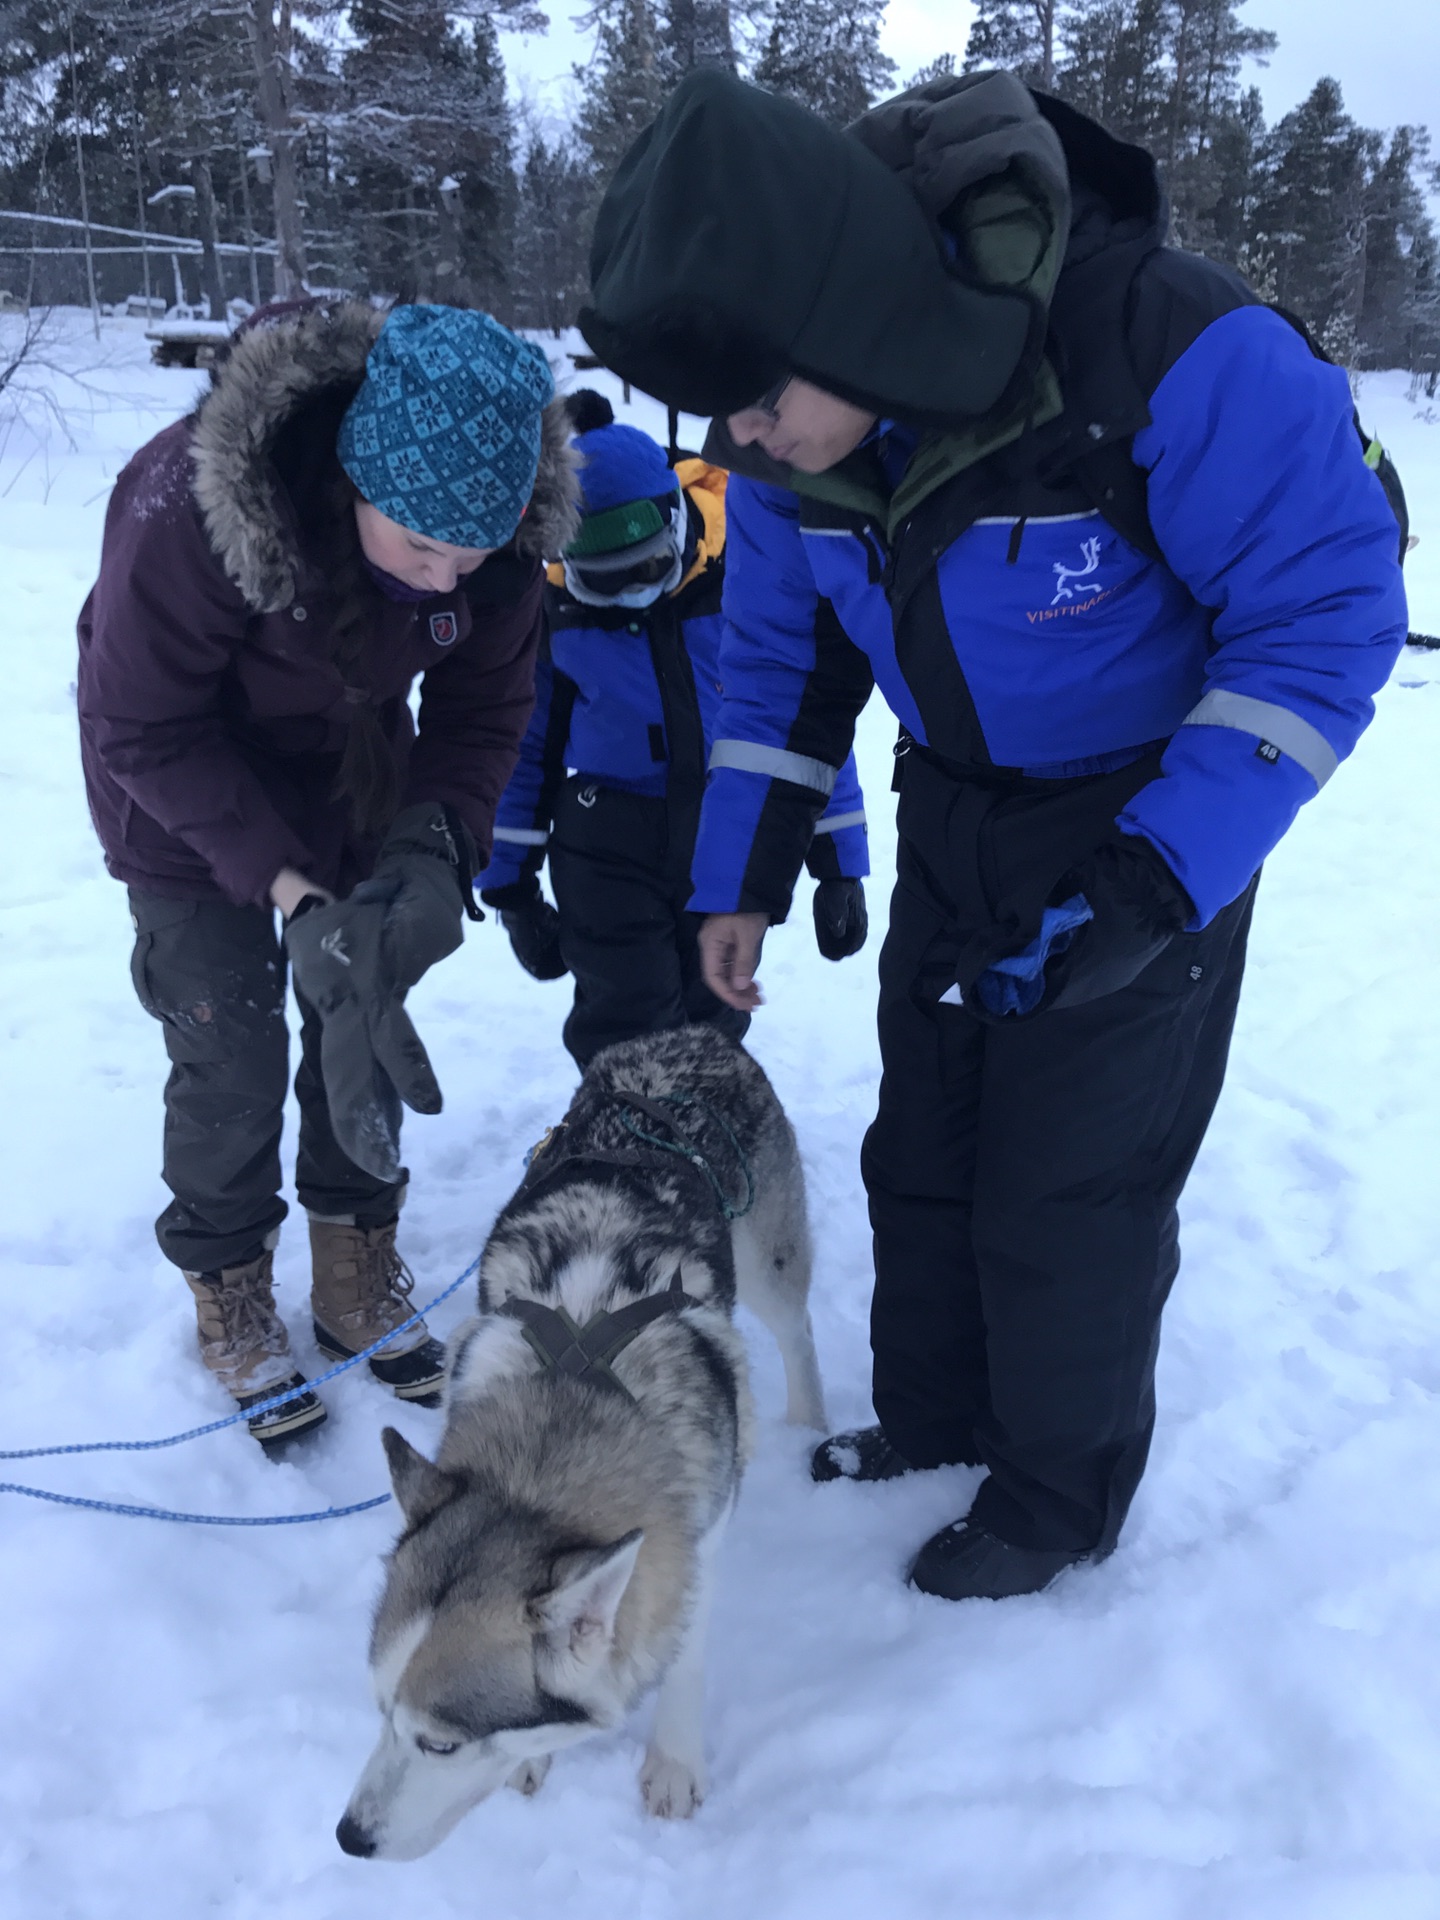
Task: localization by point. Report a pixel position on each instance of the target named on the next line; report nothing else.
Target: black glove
(841, 922)
(1138, 906)
(532, 924)
(355, 960)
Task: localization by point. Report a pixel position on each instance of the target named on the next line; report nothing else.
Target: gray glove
(355, 960)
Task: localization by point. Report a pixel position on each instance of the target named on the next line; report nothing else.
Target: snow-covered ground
(1238, 1715)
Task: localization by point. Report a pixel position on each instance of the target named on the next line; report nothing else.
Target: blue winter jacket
(1008, 623)
(631, 698)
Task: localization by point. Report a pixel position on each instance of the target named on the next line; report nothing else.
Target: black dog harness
(585, 1352)
(553, 1153)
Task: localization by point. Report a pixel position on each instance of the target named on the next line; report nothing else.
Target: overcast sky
(1385, 53)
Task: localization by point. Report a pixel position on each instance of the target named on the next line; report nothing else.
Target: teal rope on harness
(681, 1146)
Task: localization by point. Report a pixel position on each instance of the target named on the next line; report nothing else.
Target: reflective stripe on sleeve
(777, 762)
(522, 836)
(834, 822)
(1272, 725)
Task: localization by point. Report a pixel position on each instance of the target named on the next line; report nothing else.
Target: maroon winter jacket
(212, 717)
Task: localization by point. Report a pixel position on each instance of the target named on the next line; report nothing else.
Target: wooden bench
(187, 343)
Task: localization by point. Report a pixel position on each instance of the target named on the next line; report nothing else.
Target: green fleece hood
(905, 264)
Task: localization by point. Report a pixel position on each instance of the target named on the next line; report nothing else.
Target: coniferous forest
(374, 146)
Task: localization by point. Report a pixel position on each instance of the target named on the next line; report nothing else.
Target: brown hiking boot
(360, 1292)
(244, 1344)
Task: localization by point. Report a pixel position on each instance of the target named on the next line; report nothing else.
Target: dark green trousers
(214, 976)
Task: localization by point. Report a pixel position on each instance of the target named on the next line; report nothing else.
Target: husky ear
(420, 1487)
(584, 1597)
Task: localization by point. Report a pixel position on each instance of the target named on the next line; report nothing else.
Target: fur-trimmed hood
(314, 356)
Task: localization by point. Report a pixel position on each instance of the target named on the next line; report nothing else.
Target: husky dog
(557, 1555)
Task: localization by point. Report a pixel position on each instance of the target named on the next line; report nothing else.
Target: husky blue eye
(426, 1745)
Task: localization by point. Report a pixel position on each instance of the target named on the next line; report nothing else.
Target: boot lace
(245, 1311)
(395, 1277)
(247, 1319)
(382, 1278)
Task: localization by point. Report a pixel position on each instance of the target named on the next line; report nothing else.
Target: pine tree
(1207, 45)
(624, 87)
(419, 136)
(942, 67)
(1224, 191)
(699, 33)
(1208, 129)
(1115, 65)
(826, 54)
(554, 207)
(1397, 321)
(1311, 214)
(1019, 35)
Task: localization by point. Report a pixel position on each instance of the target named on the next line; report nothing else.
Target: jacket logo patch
(1267, 750)
(1090, 556)
(443, 629)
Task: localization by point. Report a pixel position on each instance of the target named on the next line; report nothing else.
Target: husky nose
(353, 1838)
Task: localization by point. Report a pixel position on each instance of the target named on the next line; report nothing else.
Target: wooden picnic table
(187, 343)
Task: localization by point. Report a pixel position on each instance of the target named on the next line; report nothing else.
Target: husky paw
(672, 1789)
(529, 1776)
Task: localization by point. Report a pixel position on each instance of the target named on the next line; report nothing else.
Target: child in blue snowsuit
(613, 765)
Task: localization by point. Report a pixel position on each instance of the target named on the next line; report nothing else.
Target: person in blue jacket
(1099, 524)
(627, 693)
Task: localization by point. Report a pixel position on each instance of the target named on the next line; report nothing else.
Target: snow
(1237, 1715)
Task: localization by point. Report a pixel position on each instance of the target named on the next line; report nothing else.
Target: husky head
(490, 1648)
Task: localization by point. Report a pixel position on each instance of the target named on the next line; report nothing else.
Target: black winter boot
(276, 1428)
(862, 1453)
(964, 1562)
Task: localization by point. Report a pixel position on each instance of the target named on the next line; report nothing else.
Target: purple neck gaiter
(394, 589)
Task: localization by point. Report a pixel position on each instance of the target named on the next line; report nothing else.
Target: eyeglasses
(769, 401)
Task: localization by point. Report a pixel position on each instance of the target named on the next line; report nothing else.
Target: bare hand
(289, 888)
(729, 954)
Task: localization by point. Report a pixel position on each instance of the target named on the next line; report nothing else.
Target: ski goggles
(634, 575)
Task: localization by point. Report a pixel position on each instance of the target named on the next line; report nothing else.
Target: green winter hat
(905, 265)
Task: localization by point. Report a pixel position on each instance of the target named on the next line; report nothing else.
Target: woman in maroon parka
(359, 499)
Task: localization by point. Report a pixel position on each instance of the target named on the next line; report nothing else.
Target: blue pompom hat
(624, 475)
(444, 434)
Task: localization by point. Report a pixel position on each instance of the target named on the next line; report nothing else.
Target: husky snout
(408, 1799)
(353, 1838)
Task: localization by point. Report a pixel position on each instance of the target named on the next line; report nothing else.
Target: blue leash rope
(217, 1426)
(196, 1519)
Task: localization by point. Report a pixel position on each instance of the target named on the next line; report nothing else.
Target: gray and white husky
(558, 1554)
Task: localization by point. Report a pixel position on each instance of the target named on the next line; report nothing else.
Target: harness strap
(585, 1352)
(539, 1173)
(547, 1159)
